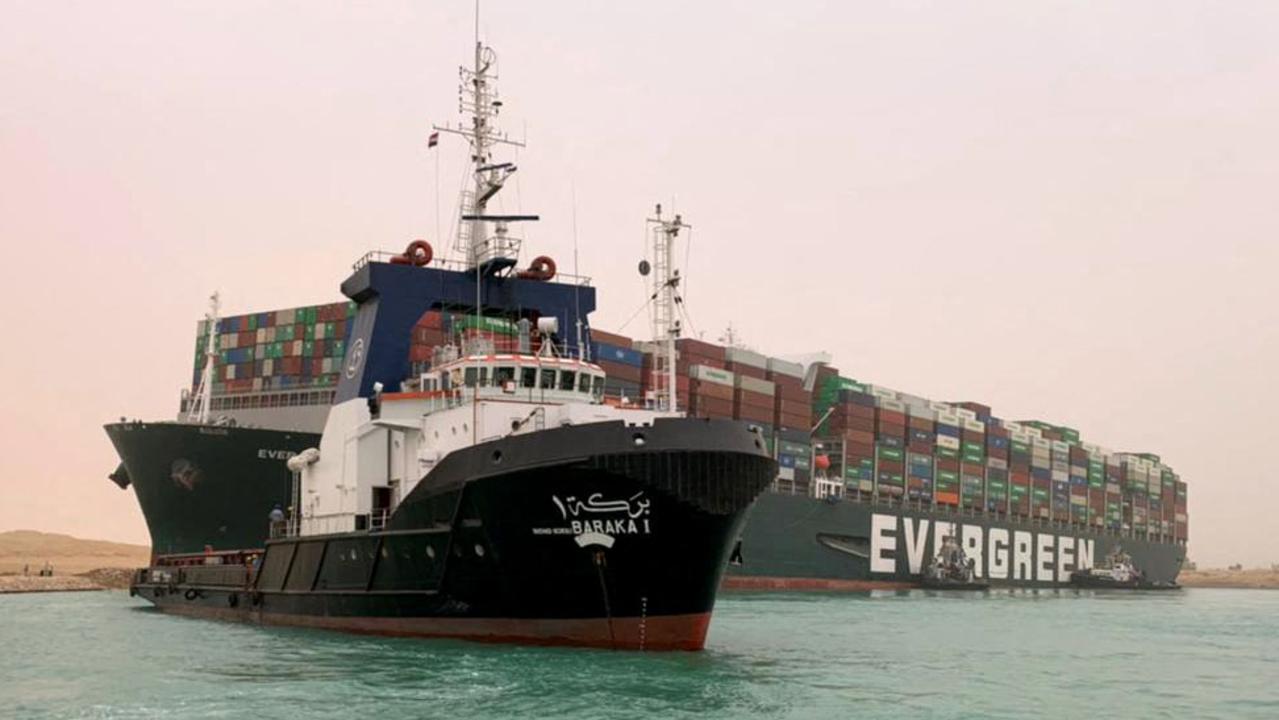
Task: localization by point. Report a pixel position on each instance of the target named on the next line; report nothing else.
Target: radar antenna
(198, 411)
(478, 99)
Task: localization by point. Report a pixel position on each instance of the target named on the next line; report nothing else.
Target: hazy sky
(1066, 210)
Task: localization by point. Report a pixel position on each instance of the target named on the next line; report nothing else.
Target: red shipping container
(621, 371)
(697, 347)
(747, 370)
(289, 366)
(946, 498)
(612, 339)
(890, 417)
(895, 431)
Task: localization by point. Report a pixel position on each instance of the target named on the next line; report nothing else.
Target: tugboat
(496, 497)
(952, 569)
(1118, 573)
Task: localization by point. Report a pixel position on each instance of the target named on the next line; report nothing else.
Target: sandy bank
(1211, 578)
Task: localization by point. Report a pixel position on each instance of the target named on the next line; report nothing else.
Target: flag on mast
(433, 140)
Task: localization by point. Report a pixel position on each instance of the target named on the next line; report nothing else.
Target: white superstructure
(373, 453)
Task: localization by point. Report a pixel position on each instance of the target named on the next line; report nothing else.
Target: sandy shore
(1212, 578)
(57, 583)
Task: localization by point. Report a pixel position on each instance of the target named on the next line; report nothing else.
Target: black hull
(495, 544)
(793, 542)
(201, 485)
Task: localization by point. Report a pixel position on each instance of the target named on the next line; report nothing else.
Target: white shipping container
(949, 419)
(1013, 426)
(880, 391)
(228, 341)
(297, 348)
(894, 405)
(1061, 447)
(746, 357)
(257, 383)
(260, 335)
(786, 367)
(319, 331)
(913, 400)
(1078, 499)
(965, 413)
(285, 317)
(1112, 488)
(947, 441)
(755, 385)
(230, 372)
(1021, 436)
(1061, 476)
(268, 367)
(973, 425)
(997, 463)
(327, 365)
(706, 373)
(270, 334)
(1040, 443)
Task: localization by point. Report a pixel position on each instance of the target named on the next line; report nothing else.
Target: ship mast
(479, 101)
(198, 411)
(666, 302)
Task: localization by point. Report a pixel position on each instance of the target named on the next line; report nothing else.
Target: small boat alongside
(952, 569)
(1118, 573)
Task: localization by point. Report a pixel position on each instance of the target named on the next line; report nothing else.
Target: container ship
(869, 482)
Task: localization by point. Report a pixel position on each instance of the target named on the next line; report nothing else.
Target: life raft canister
(419, 253)
(542, 268)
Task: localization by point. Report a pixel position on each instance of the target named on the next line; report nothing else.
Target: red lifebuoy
(542, 268)
(822, 462)
(419, 253)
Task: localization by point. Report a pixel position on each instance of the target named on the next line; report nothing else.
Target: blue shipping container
(613, 353)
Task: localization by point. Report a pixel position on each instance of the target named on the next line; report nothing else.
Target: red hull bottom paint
(669, 632)
(744, 582)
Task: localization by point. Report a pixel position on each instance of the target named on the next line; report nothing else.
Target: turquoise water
(1194, 654)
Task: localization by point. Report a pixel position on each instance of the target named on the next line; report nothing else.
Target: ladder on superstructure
(665, 316)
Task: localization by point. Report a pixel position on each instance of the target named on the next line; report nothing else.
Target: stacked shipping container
(880, 441)
(280, 350)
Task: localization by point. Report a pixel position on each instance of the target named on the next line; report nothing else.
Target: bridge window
(597, 386)
(470, 376)
(503, 375)
(484, 375)
(548, 379)
(584, 383)
(567, 378)
(528, 377)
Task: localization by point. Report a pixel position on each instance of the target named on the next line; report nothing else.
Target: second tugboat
(1118, 573)
(496, 497)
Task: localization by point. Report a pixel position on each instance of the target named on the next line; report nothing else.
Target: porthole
(430, 551)
(385, 554)
(479, 550)
(639, 439)
(465, 428)
(497, 457)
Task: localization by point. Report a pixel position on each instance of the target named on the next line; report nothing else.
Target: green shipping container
(889, 453)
